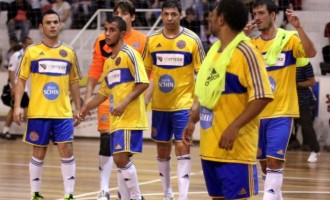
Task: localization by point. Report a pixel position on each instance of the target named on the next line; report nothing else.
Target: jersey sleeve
(297, 48)
(137, 68)
(198, 55)
(24, 69)
(146, 56)
(75, 74)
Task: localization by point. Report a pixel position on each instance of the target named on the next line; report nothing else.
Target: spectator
(12, 43)
(35, 13)
(80, 18)
(19, 13)
(191, 21)
(63, 9)
(15, 59)
(325, 66)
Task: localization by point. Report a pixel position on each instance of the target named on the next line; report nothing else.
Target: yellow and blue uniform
(277, 117)
(174, 62)
(51, 70)
(246, 80)
(121, 73)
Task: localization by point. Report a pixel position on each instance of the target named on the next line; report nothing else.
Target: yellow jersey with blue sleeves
(120, 76)
(246, 80)
(174, 62)
(282, 77)
(51, 70)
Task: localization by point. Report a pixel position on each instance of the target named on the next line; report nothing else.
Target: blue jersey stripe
(289, 60)
(35, 67)
(187, 58)
(131, 55)
(233, 86)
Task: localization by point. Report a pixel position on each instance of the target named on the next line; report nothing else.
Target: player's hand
(119, 109)
(18, 115)
(228, 138)
(249, 27)
(187, 134)
(84, 111)
(76, 118)
(292, 17)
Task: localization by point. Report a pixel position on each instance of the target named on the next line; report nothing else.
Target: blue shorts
(167, 124)
(230, 180)
(274, 136)
(126, 141)
(40, 131)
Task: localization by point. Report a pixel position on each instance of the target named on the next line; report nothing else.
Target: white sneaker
(103, 195)
(167, 198)
(313, 157)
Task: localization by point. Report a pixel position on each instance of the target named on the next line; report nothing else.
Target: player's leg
(179, 121)
(124, 143)
(62, 130)
(278, 136)
(161, 133)
(37, 134)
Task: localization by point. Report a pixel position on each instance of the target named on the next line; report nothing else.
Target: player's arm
(187, 135)
(93, 103)
(138, 89)
(75, 94)
(252, 110)
(307, 44)
(149, 90)
(19, 91)
(307, 83)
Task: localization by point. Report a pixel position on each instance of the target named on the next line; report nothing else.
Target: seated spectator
(63, 9)
(80, 18)
(191, 22)
(325, 66)
(35, 13)
(19, 13)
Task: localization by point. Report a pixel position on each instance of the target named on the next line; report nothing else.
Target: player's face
(213, 22)
(263, 19)
(125, 15)
(112, 34)
(171, 18)
(51, 26)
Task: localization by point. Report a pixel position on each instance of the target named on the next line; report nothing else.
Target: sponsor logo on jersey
(166, 83)
(206, 117)
(56, 67)
(113, 77)
(51, 91)
(63, 53)
(214, 75)
(171, 59)
(181, 44)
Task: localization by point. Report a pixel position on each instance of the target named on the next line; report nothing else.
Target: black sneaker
(142, 198)
(7, 136)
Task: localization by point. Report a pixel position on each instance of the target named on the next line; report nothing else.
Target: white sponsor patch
(280, 60)
(170, 59)
(57, 67)
(113, 77)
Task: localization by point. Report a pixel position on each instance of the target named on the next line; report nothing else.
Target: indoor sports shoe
(142, 198)
(69, 197)
(167, 198)
(313, 157)
(37, 196)
(103, 195)
(7, 136)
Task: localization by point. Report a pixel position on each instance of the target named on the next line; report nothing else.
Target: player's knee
(105, 149)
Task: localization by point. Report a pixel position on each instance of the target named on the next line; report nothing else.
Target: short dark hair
(234, 12)
(172, 4)
(49, 12)
(125, 5)
(25, 39)
(270, 4)
(121, 23)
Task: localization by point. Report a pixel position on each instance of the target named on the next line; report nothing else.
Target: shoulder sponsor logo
(166, 83)
(57, 67)
(51, 91)
(63, 53)
(171, 59)
(113, 77)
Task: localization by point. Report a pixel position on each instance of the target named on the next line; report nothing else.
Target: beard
(113, 44)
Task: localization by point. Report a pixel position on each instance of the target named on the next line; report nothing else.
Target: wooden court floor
(302, 180)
